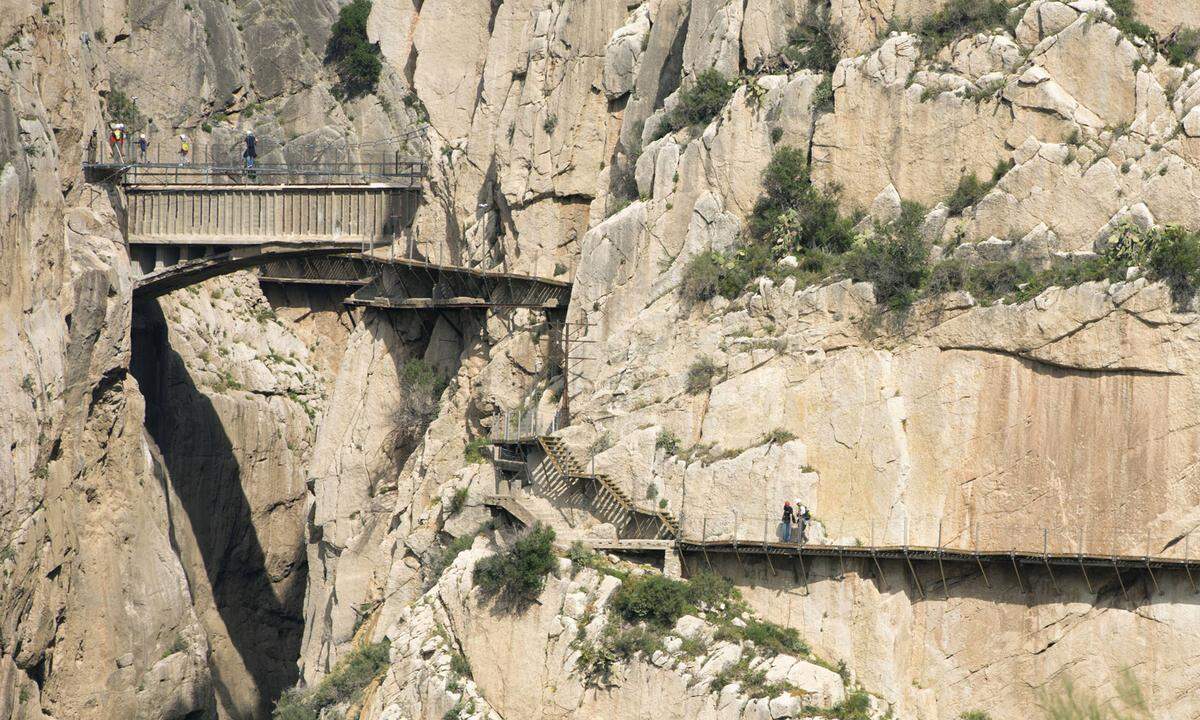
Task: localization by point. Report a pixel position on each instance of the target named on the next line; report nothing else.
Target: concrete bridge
(170, 224)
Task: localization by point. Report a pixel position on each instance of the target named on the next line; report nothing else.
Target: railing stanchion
(1187, 565)
(766, 550)
(1082, 567)
(941, 568)
(1046, 558)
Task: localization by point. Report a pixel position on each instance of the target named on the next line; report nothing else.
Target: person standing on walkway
(116, 138)
(251, 151)
(143, 146)
(185, 149)
(788, 517)
(802, 518)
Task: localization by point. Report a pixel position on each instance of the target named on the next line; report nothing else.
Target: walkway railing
(984, 536)
(404, 171)
(525, 425)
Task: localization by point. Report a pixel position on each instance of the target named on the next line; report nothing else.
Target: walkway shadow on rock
(205, 481)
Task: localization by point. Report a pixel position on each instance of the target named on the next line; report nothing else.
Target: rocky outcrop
(232, 402)
(456, 619)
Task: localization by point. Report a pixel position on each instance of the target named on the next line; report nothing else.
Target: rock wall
(151, 553)
(232, 399)
(98, 617)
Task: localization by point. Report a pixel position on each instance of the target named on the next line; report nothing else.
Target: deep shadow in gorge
(263, 628)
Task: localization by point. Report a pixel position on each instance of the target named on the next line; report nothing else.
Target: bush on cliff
(421, 386)
(518, 574)
(961, 17)
(343, 684)
(701, 100)
(793, 214)
(355, 59)
(814, 44)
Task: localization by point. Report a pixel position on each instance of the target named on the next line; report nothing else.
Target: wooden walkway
(1020, 561)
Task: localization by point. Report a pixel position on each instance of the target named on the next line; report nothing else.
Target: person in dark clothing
(251, 151)
(788, 517)
(143, 146)
(802, 518)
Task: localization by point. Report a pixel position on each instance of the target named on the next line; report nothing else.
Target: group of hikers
(117, 135)
(795, 522)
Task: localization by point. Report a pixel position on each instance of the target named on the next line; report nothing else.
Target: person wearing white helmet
(143, 145)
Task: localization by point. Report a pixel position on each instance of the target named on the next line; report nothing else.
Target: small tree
(519, 574)
(700, 101)
(355, 59)
(792, 214)
(421, 386)
(700, 375)
(1175, 259)
(122, 109)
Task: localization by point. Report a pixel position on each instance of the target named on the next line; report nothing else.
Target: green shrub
(856, 706)
(726, 274)
(752, 682)
(1175, 260)
(974, 715)
(291, 706)
(700, 375)
(476, 451)
(1126, 20)
(958, 18)
(702, 99)
(767, 636)
(458, 500)
(653, 599)
(355, 59)
(1180, 48)
(814, 44)
(792, 214)
(778, 436)
(344, 683)
(580, 556)
(122, 109)
(421, 386)
(595, 662)
(708, 590)
(895, 263)
(968, 192)
(445, 559)
(667, 442)
(519, 573)
(459, 665)
(630, 641)
(822, 97)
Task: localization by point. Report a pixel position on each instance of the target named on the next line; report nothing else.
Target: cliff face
(207, 498)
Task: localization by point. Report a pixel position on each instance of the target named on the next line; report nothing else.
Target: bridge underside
(176, 267)
(402, 284)
(413, 284)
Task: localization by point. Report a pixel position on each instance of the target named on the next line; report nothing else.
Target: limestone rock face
(189, 540)
(455, 618)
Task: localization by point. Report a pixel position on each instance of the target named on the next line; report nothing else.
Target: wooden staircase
(570, 467)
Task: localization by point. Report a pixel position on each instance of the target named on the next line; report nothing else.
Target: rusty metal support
(1046, 559)
(1120, 579)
